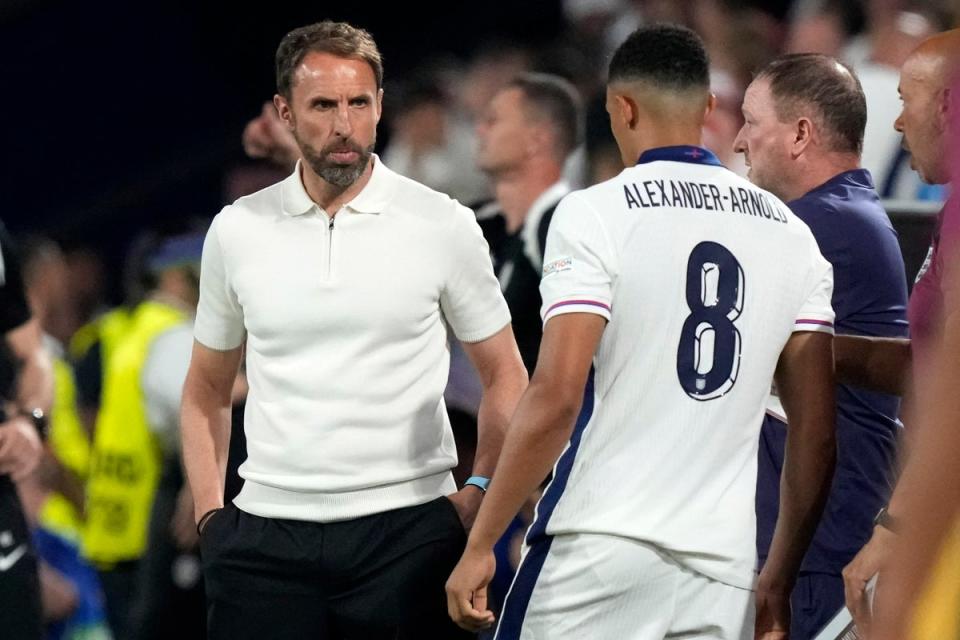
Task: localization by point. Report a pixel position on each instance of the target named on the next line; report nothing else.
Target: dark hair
(337, 38)
(828, 86)
(666, 55)
(558, 102)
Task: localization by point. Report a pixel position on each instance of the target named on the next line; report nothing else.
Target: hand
(267, 137)
(773, 614)
(20, 448)
(467, 503)
(467, 590)
(182, 525)
(861, 569)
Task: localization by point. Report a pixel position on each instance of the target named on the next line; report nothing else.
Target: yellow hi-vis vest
(126, 458)
(107, 329)
(70, 445)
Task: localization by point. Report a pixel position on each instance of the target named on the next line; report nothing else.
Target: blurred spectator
(267, 138)
(169, 572)
(87, 289)
(128, 447)
(529, 129)
(428, 144)
(92, 345)
(740, 38)
(822, 26)
(68, 459)
(722, 124)
(492, 67)
(894, 29)
(53, 496)
(26, 387)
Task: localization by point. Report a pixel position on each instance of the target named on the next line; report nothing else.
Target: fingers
(469, 609)
(467, 595)
(854, 592)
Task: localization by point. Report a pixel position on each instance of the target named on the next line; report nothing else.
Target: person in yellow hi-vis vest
(128, 454)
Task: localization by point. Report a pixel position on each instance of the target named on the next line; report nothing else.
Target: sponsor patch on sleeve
(563, 264)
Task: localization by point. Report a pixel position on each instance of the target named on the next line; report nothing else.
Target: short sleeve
(578, 264)
(162, 382)
(471, 300)
(816, 312)
(219, 323)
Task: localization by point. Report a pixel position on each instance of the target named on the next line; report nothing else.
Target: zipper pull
(330, 226)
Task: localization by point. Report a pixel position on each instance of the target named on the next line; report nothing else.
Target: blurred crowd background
(125, 118)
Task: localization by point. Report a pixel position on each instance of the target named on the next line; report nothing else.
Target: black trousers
(377, 577)
(21, 614)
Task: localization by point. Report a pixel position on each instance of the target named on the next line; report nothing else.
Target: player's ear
(283, 109)
(627, 110)
(711, 105)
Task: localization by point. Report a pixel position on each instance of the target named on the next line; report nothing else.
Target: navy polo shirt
(870, 298)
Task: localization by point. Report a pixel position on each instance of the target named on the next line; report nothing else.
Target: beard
(336, 173)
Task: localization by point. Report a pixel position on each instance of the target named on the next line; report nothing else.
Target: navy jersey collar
(680, 153)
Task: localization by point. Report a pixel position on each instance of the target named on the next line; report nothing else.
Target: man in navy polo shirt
(803, 133)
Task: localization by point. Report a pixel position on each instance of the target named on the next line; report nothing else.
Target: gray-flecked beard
(339, 175)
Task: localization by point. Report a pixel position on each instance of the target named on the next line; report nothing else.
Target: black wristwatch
(885, 520)
(39, 419)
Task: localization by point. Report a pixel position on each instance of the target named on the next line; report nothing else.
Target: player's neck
(666, 134)
(813, 174)
(516, 191)
(331, 197)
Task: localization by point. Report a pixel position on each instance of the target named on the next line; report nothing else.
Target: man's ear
(284, 110)
(804, 133)
(626, 111)
(711, 105)
(943, 109)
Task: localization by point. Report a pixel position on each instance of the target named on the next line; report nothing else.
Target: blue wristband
(479, 482)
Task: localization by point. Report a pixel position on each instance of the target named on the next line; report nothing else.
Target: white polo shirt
(347, 356)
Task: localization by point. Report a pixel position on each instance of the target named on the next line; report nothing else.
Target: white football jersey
(702, 278)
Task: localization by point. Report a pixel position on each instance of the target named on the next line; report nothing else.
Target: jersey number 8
(708, 356)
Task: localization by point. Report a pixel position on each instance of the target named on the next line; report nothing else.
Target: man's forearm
(497, 405)
(877, 364)
(804, 487)
(539, 431)
(205, 433)
(35, 382)
(805, 379)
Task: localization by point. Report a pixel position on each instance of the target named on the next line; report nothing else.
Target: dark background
(121, 115)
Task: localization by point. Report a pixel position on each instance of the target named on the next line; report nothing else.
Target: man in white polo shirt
(341, 281)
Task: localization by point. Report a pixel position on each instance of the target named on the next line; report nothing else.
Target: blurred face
(764, 140)
(502, 133)
(333, 111)
(922, 120)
